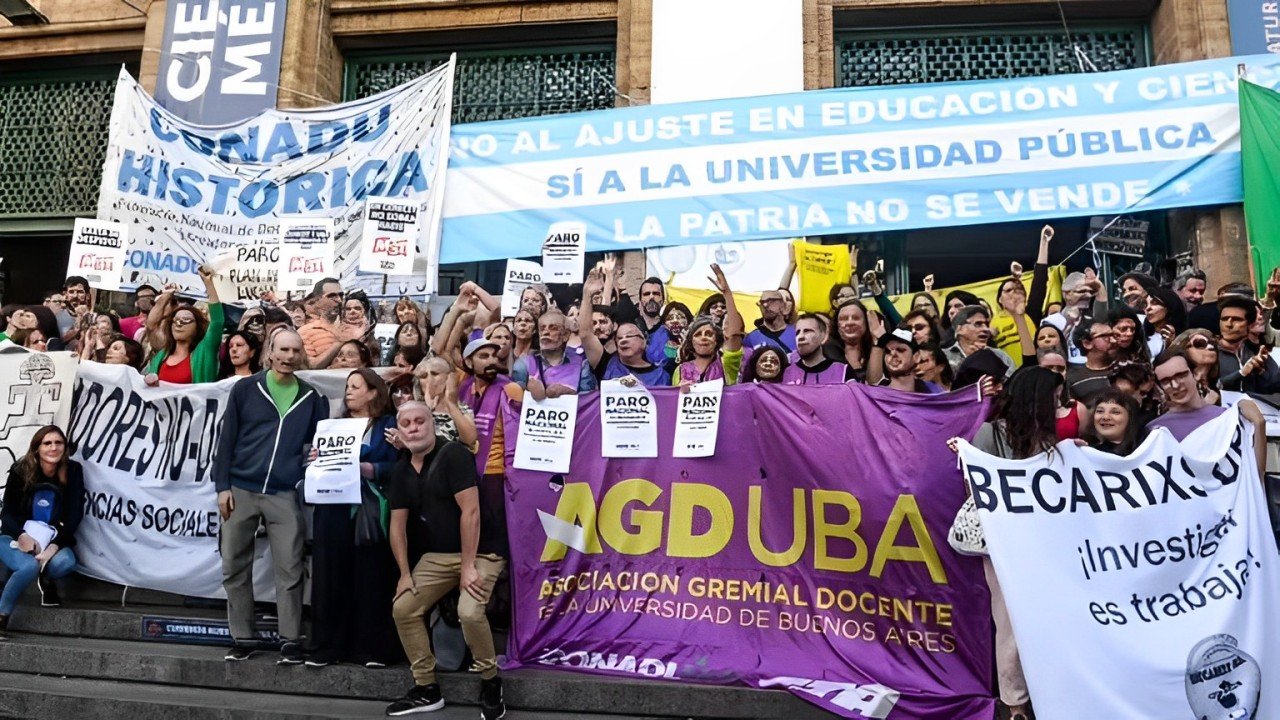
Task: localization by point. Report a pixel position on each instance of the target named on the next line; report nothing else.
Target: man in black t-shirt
(434, 496)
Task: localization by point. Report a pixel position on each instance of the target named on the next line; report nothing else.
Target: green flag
(1260, 156)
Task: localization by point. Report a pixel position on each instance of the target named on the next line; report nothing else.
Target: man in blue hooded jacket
(269, 419)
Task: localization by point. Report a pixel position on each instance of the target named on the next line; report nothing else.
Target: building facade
(520, 58)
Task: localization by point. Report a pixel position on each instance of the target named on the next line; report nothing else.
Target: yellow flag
(987, 289)
(820, 267)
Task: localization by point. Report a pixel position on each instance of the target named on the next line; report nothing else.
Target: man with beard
(440, 542)
(1243, 366)
(269, 417)
(551, 371)
(603, 328)
(630, 356)
(75, 292)
(144, 298)
(898, 353)
(1190, 286)
(1097, 341)
(320, 334)
(772, 328)
(811, 366)
(972, 326)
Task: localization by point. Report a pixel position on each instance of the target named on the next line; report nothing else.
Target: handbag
(966, 535)
(371, 516)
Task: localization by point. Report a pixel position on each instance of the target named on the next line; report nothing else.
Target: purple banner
(809, 554)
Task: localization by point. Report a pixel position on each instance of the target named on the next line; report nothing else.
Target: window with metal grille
(53, 139)
(501, 85)
(956, 55)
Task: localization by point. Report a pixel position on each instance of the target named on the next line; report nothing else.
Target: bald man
(269, 417)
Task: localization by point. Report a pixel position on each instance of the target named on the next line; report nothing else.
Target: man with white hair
(1078, 294)
(550, 370)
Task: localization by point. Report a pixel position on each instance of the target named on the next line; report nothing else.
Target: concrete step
(68, 651)
(34, 696)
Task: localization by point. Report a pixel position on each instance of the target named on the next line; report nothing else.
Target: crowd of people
(1070, 368)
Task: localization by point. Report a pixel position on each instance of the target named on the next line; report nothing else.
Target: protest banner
(306, 255)
(520, 275)
(545, 440)
(819, 268)
(698, 420)
(564, 253)
(189, 191)
(97, 252)
(37, 392)
(333, 478)
(853, 160)
(390, 236)
(628, 420)
(1140, 586)
(807, 558)
(151, 510)
(244, 273)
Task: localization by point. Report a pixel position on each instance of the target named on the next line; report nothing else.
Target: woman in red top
(191, 342)
(1071, 416)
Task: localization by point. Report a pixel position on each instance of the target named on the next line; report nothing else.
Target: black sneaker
(419, 699)
(291, 654)
(237, 652)
(48, 592)
(491, 705)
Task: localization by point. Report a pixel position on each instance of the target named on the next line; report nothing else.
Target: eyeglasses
(768, 301)
(919, 327)
(1176, 379)
(1203, 343)
(183, 322)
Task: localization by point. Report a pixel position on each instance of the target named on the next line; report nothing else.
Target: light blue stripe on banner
(1213, 180)
(800, 115)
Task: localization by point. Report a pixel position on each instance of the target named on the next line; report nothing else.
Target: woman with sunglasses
(923, 327)
(189, 353)
(1200, 348)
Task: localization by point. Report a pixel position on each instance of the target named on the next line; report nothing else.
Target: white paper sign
(390, 236)
(244, 273)
(698, 420)
(1145, 586)
(306, 253)
(333, 478)
(628, 421)
(564, 252)
(545, 441)
(386, 335)
(97, 252)
(520, 275)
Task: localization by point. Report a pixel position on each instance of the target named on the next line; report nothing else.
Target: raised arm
(591, 344)
(734, 325)
(154, 333)
(875, 363)
(1040, 278)
(788, 272)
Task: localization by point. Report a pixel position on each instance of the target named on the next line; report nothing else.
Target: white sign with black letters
(545, 440)
(333, 477)
(698, 420)
(97, 252)
(564, 252)
(390, 236)
(628, 421)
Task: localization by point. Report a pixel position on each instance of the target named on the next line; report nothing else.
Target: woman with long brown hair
(353, 574)
(43, 505)
(190, 340)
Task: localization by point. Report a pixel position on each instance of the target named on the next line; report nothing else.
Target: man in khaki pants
(435, 509)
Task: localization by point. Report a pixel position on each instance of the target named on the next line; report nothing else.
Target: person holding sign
(352, 573)
(189, 353)
(707, 353)
(43, 505)
(552, 371)
(630, 357)
(440, 542)
(269, 418)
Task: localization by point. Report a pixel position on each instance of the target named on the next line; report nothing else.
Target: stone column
(311, 64)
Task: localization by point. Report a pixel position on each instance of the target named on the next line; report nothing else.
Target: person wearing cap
(896, 353)
(630, 358)
(1243, 366)
(972, 326)
(771, 327)
(550, 370)
(809, 364)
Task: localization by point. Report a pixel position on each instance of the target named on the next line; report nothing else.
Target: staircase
(88, 660)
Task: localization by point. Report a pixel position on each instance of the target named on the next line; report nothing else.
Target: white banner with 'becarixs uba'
(1145, 586)
(190, 192)
(151, 511)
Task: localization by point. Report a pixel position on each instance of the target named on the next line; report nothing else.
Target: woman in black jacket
(43, 505)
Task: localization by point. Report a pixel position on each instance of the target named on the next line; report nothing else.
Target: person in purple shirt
(1187, 410)
(811, 366)
(896, 353)
(772, 328)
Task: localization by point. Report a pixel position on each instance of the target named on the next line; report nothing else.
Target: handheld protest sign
(390, 236)
(306, 253)
(564, 253)
(97, 252)
(520, 275)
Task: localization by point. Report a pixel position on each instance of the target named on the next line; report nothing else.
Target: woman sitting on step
(43, 504)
